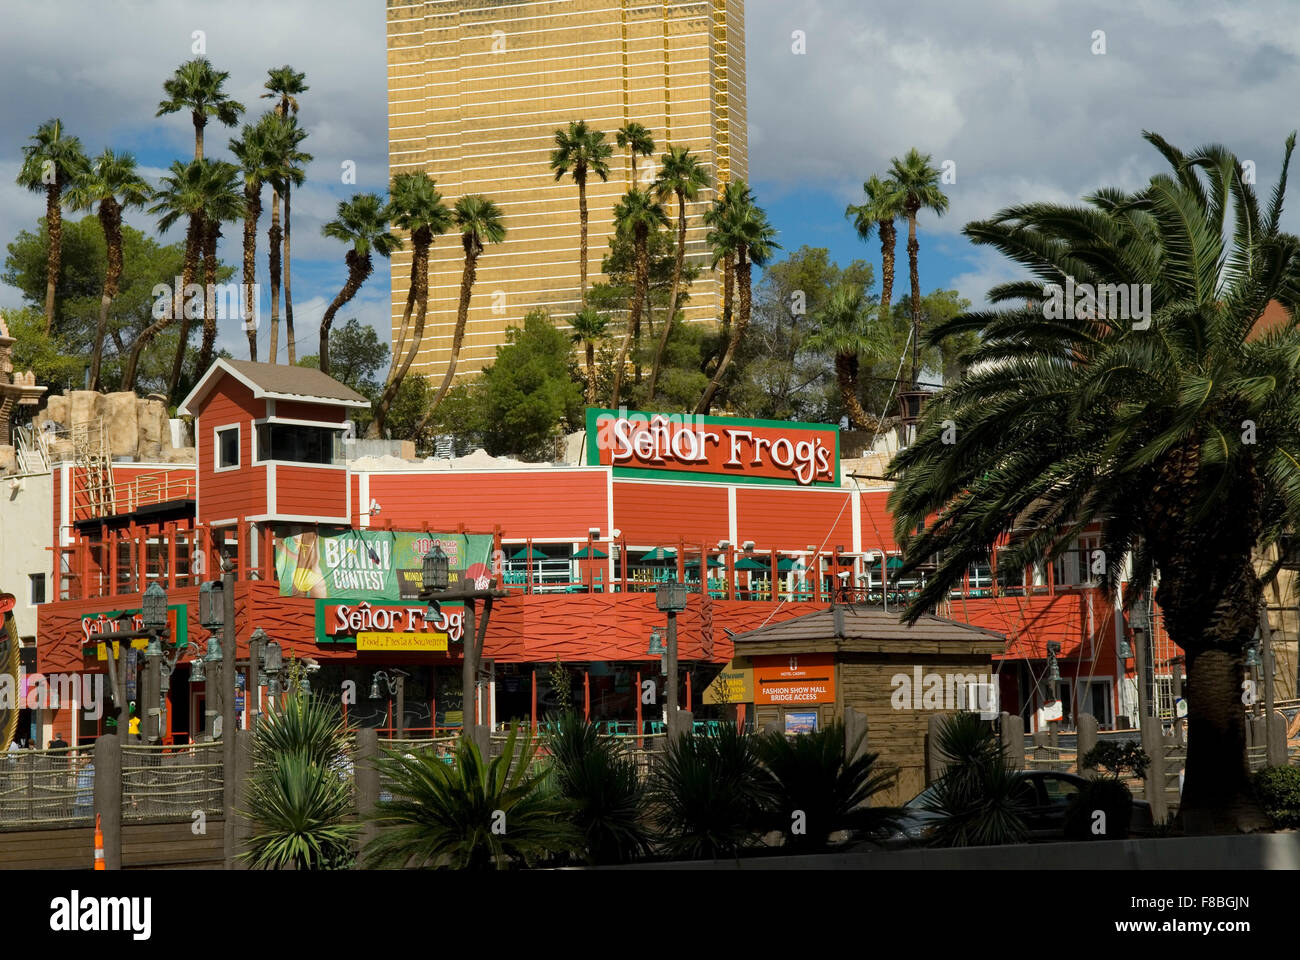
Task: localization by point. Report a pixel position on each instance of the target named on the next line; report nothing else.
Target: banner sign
(733, 684)
(109, 621)
(805, 678)
(374, 564)
(725, 449)
(388, 626)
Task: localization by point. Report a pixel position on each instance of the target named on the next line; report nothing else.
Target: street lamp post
(212, 617)
(1139, 614)
(153, 610)
(435, 583)
(671, 599)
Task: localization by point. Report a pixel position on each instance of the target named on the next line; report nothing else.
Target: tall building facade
(476, 91)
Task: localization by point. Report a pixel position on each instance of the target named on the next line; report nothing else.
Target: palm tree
(1163, 416)
(635, 139)
(473, 814)
(589, 326)
(682, 176)
(918, 186)
(51, 162)
(112, 182)
(579, 151)
(285, 83)
(740, 226)
(883, 206)
(980, 798)
(223, 202)
(479, 221)
(196, 87)
(362, 223)
(845, 331)
(180, 194)
(636, 215)
(414, 205)
(255, 151)
(287, 170)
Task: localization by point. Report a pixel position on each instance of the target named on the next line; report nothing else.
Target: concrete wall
(26, 518)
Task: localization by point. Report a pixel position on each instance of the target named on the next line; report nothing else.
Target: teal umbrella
(749, 563)
(596, 553)
(786, 564)
(895, 563)
(659, 553)
(713, 562)
(524, 555)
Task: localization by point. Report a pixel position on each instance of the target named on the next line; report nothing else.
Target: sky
(1016, 95)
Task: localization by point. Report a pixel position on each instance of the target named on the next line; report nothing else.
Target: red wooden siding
(654, 514)
(789, 518)
(877, 522)
(231, 493)
(544, 504)
(298, 410)
(311, 491)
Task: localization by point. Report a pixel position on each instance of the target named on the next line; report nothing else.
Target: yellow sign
(735, 684)
(401, 641)
(101, 649)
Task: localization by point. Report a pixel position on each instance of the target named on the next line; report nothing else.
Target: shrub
(979, 795)
(1107, 795)
(1117, 758)
(811, 775)
(1278, 791)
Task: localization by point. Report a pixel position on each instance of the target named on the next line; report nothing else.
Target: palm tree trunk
(129, 374)
(846, 374)
(274, 236)
(110, 218)
(582, 234)
(672, 296)
(211, 233)
(200, 121)
(359, 269)
(193, 246)
(462, 317)
(738, 331)
(418, 295)
(53, 262)
(253, 206)
(913, 247)
(591, 373)
(639, 291)
(289, 341)
(888, 235)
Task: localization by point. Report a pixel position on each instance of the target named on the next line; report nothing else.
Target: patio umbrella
(523, 555)
(713, 562)
(659, 553)
(895, 563)
(749, 563)
(596, 553)
(786, 564)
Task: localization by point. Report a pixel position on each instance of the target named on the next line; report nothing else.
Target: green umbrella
(713, 562)
(596, 552)
(659, 553)
(895, 563)
(748, 563)
(523, 555)
(786, 564)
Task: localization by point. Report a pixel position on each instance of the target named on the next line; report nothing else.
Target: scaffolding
(95, 465)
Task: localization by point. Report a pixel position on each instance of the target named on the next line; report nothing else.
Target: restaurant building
(764, 521)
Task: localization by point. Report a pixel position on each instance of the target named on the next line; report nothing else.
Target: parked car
(1045, 793)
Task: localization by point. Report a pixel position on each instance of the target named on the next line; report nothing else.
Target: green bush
(1278, 791)
(980, 797)
(1107, 795)
(1117, 758)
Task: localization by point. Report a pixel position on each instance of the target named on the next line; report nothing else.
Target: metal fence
(46, 788)
(171, 783)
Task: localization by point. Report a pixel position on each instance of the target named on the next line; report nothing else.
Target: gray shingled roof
(865, 622)
(298, 381)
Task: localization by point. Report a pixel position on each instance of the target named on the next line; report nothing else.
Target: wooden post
(586, 695)
(817, 576)
(242, 826)
(639, 729)
(1013, 739)
(171, 555)
(731, 572)
(1086, 739)
(366, 776)
(855, 734)
(1153, 742)
(108, 795)
(622, 557)
(688, 690)
(774, 574)
(401, 707)
(1277, 753)
(533, 709)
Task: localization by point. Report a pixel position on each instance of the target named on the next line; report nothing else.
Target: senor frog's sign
(727, 449)
(376, 626)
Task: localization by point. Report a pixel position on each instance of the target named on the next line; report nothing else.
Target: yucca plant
(979, 794)
(300, 795)
(470, 815)
(818, 791)
(708, 794)
(600, 780)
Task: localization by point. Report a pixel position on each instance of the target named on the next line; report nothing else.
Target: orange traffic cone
(99, 845)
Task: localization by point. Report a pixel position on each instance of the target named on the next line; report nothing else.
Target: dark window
(299, 444)
(37, 581)
(228, 447)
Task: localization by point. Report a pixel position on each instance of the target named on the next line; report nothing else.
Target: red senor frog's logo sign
(350, 620)
(716, 448)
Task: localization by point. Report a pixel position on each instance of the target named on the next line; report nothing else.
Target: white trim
(609, 520)
(239, 447)
(857, 530)
(299, 518)
(733, 529)
(65, 506)
(228, 522)
(363, 493)
(270, 408)
(327, 424)
(275, 421)
(479, 472)
(271, 505)
(299, 463)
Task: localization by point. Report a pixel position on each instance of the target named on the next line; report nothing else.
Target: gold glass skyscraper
(476, 91)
